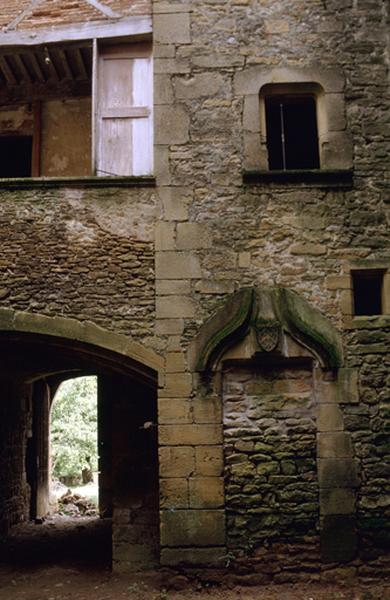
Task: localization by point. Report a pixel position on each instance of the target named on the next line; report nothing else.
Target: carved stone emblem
(268, 335)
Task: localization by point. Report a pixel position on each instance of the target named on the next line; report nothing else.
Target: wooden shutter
(123, 118)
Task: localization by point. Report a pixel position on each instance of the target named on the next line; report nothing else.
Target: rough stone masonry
(273, 396)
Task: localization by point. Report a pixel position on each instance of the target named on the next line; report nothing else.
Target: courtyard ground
(67, 559)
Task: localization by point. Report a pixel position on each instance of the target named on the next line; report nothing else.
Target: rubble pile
(75, 505)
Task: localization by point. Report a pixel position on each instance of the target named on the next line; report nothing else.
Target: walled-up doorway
(33, 367)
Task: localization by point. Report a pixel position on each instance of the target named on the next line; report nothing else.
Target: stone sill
(371, 322)
(327, 178)
(76, 182)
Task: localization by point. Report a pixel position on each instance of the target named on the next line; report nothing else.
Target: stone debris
(76, 505)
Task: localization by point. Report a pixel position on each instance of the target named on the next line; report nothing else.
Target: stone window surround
(347, 297)
(335, 144)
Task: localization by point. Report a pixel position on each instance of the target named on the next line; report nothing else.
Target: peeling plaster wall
(66, 137)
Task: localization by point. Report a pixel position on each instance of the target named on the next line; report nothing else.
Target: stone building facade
(242, 309)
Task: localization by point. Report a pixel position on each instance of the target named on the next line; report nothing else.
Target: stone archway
(277, 363)
(36, 354)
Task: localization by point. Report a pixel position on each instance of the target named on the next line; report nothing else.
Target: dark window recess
(15, 156)
(367, 292)
(292, 138)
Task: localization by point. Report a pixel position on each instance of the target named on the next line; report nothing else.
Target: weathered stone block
(175, 362)
(177, 265)
(176, 385)
(163, 90)
(330, 418)
(175, 202)
(133, 557)
(336, 473)
(174, 410)
(334, 445)
(209, 460)
(172, 28)
(190, 435)
(338, 538)
(191, 236)
(174, 493)
(193, 528)
(169, 326)
(348, 382)
(337, 501)
(165, 236)
(166, 287)
(206, 492)
(201, 84)
(173, 307)
(171, 124)
(177, 462)
(207, 409)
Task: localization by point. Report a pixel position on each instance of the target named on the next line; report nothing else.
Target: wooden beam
(36, 68)
(7, 71)
(51, 65)
(65, 64)
(80, 64)
(126, 27)
(22, 67)
(36, 147)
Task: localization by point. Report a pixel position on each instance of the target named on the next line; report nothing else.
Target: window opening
(15, 155)
(367, 288)
(292, 135)
(92, 115)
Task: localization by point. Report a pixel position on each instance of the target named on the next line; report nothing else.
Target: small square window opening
(367, 289)
(15, 156)
(292, 136)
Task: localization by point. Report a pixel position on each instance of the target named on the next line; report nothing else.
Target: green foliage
(74, 427)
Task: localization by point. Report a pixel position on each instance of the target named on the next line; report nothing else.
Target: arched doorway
(38, 353)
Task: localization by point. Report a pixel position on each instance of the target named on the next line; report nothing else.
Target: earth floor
(68, 559)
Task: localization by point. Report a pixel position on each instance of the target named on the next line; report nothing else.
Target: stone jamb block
(190, 435)
(192, 236)
(207, 409)
(338, 538)
(209, 461)
(193, 528)
(171, 307)
(337, 473)
(330, 418)
(171, 28)
(165, 236)
(176, 385)
(174, 493)
(177, 265)
(206, 492)
(337, 501)
(177, 461)
(171, 124)
(334, 445)
(174, 410)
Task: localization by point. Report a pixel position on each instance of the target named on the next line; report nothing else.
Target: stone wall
(81, 253)
(271, 482)
(219, 233)
(15, 428)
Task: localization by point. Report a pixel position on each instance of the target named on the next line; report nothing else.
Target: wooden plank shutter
(124, 134)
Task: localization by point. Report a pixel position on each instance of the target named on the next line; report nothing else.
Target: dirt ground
(68, 559)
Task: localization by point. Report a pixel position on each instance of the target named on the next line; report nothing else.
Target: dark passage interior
(33, 366)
